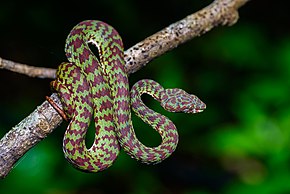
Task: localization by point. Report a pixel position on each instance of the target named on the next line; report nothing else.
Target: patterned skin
(98, 88)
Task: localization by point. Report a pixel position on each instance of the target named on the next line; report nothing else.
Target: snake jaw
(199, 106)
(195, 110)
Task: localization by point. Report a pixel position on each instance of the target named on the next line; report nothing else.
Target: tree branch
(31, 71)
(45, 119)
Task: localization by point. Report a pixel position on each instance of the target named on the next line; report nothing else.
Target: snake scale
(96, 88)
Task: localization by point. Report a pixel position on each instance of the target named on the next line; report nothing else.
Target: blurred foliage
(240, 144)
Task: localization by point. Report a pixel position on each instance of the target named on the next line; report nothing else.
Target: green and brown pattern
(98, 88)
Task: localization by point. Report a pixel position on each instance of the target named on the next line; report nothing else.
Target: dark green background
(240, 144)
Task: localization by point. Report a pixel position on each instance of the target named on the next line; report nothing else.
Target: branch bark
(45, 119)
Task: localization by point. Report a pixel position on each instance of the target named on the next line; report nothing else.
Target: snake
(94, 89)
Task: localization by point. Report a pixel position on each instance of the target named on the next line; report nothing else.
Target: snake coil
(99, 89)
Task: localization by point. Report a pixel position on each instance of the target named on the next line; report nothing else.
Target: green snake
(97, 88)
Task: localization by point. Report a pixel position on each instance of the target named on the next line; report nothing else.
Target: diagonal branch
(45, 119)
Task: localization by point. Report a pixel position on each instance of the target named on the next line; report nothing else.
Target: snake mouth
(199, 109)
(194, 110)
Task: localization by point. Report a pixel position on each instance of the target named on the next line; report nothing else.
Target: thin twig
(45, 119)
(40, 72)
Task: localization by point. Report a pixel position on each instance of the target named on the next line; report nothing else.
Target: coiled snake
(98, 88)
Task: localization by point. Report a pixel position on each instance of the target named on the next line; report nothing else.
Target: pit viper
(95, 87)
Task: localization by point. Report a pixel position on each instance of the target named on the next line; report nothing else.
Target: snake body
(98, 88)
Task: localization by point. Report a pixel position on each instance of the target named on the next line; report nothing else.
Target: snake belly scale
(98, 90)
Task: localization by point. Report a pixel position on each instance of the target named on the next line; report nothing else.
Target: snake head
(177, 100)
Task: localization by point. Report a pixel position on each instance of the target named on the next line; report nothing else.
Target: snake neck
(164, 126)
(147, 86)
(152, 88)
